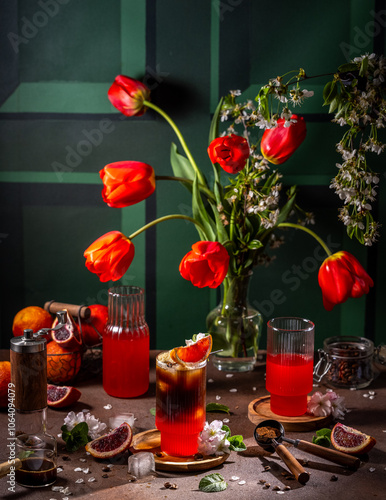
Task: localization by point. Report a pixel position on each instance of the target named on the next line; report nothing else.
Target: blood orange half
(195, 352)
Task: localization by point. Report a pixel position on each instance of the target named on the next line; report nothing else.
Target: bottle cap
(28, 343)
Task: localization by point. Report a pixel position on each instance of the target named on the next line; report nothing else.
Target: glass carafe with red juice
(126, 344)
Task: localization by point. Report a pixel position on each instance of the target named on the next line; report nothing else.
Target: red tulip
(127, 95)
(230, 152)
(127, 183)
(206, 264)
(279, 143)
(110, 256)
(341, 276)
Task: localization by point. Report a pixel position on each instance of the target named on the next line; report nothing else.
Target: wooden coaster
(260, 409)
(151, 440)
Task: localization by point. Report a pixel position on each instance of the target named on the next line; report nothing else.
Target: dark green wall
(58, 59)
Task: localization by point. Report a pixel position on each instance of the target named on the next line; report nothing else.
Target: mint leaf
(216, 407)
(321, 441)
(77, 437)
(324, 432)
(212, 483)
(236, 443)
(152, 411)
(25, 454)
(322, 438)
(227, 430)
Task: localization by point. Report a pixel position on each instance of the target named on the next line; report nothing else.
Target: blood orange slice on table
(109, 445)
(351, 441)
(194, 353)
(60, 397)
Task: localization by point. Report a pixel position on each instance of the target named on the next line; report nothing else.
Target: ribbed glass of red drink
(290, 363)
(180, 405)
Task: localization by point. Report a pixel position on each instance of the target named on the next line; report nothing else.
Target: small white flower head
(95, 427)
(199, 336)
(286, 113)
(319, 405)
(212, 439)
(322, 405)
(338, 408)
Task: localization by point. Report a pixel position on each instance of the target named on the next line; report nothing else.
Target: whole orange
(5, 379)
(33, 317)
(93, 328)
(62, 365)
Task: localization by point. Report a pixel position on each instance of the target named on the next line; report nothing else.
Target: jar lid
(349, 346)
(28, 343)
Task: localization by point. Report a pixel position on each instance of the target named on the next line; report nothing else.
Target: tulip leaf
(286, 210)
(213, 131)
(222, 235)
(201, 215)
(181, 166)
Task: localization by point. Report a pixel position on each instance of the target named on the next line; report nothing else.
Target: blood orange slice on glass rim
(193, 353)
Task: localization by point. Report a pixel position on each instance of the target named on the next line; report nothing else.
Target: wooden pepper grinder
(34, 449)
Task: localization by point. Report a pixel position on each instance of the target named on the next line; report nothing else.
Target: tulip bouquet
(238, 214)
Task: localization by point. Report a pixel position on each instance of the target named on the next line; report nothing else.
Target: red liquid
(180, 408)
(126, 363)
(289, 380)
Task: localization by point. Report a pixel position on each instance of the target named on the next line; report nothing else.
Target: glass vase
(235, 327)
(126, 344)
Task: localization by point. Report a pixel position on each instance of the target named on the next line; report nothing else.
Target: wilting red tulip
(341, 276)
(206, 264)
(127, 95)
(230, 152)
(127, 183)
(279, 143)
(110, 256)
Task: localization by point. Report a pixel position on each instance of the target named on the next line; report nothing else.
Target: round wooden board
(151, 440)
(260, 409)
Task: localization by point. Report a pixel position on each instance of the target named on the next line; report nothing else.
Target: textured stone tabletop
(367, 415)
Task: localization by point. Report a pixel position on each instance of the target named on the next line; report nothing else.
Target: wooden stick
(329, 454)
(6, 467)
(294, 466)
(80, 311)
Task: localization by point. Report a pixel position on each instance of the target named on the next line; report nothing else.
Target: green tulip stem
(307, 230)
(162, 219)
(180, 137)
(202, 188)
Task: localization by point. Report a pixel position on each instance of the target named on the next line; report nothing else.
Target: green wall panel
(71, 52)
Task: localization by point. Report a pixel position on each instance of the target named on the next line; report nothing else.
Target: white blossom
(319, 405)
(322, 405)
(95, 427)
(212, 439)
(199, 336)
